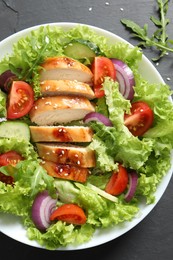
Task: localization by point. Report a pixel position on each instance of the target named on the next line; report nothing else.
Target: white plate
(12, 227)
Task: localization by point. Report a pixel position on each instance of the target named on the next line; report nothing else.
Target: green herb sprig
(159, 38)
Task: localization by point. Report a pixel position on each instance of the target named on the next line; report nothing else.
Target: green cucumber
(15, 129)
(81, 50)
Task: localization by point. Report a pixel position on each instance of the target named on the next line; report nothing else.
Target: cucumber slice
(102, 193)
(14, 129)
(81, 50)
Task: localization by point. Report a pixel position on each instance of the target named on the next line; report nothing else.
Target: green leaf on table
(159, 39)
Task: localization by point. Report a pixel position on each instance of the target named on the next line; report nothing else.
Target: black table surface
(153, 237)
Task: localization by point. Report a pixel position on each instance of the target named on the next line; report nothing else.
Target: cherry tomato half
(70, 213)
(117, 182)
(12, 158)
(140, 119)
(20, 99)
(102, 67)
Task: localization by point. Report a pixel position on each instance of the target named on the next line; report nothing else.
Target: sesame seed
(61, 170)
(157, 64)
(36, 107)
(121, 9)
(168, 79)
(107, 3)
(78, 162)
(47, 87)
(48, 103)
(90, 9)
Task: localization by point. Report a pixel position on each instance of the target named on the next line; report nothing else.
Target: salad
(129, 129)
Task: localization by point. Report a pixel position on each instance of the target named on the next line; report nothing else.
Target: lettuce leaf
(11, 199)
(21, 146)
(61, 234)
(117, 144)
(149, 155)
(29, 176)
(158, 96)
(3, 111)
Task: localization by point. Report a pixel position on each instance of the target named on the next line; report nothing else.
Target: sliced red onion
(125, 78)
(95, 116)
(133, 180)
(6, 79)
(42, 208)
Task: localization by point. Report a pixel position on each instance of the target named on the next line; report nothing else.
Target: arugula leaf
(159, 38)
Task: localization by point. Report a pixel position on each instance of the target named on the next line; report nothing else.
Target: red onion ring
(95, 116)
(133, 180)
(125, 78)
(42, 208)
(6, 79)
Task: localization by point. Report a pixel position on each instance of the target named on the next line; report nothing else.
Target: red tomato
(117, 182)
(20, 99)
(70, 213)
(140, 119)
(12, 158)
(102, 67)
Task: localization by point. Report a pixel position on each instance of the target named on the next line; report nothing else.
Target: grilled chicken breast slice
(67, 154)
(61, 133)
(66, 171)
(64, 68)
(66, 87)
(60, 109)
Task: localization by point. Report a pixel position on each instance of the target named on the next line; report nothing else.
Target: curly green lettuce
(149, 156)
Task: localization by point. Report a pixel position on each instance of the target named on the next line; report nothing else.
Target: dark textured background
(152, 239)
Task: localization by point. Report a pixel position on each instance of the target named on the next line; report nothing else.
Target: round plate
(11, 225)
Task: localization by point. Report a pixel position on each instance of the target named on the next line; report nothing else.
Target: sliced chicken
(60, 68)
(67, 154)
(61, 133)
(60, 109)
(66, 87)
(66, 171)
